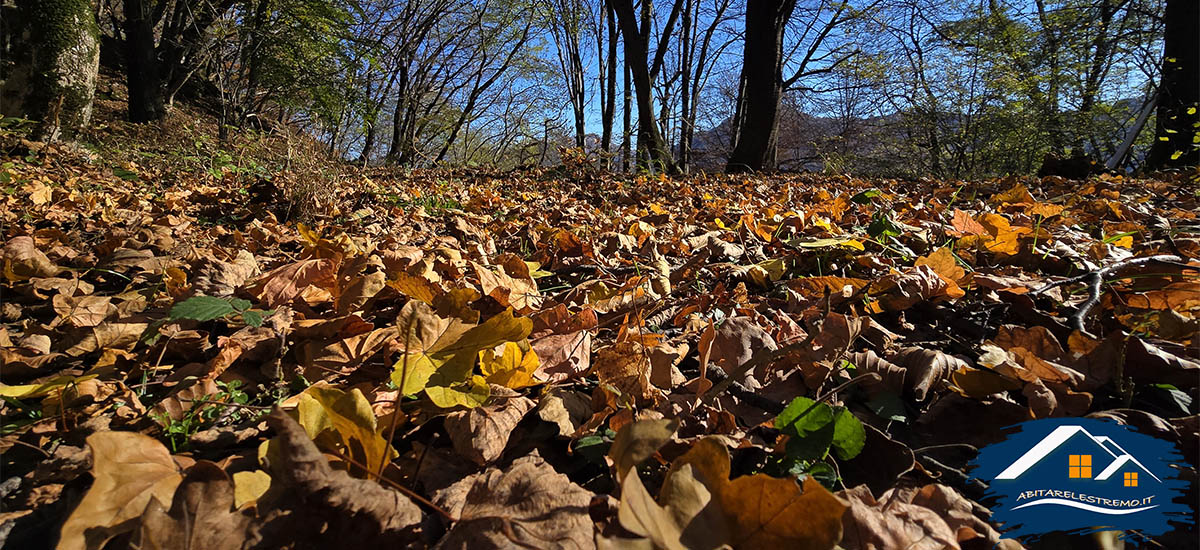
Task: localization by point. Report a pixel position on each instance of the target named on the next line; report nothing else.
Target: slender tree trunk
(146, 101)
(394, 151)
(626, 132)
(610, 105)
(685, 67)
(763, 88)
(56, 57)
(651, 145)
(1175, 127)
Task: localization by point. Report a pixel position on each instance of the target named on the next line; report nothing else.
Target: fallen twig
(1093, 280)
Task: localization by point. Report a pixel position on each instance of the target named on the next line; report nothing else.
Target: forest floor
(560, 358)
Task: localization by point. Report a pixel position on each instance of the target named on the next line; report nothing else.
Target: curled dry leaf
(329, 505)
(638, 441)
(565, 409)
(201, 515)
(870, 524)
(925, 369)
(130, 470)
(214, 277)
(525, 505)
(736, 342)
(23, 260)
(481, 433)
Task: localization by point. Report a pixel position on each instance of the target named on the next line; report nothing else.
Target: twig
(1093, 280)
(223, 403)
(409, 492)
(34, 447)
(946, 446)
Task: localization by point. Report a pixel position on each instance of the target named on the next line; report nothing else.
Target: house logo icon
(1081, 475)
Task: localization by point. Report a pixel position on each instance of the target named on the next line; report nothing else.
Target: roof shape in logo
(1060, 435)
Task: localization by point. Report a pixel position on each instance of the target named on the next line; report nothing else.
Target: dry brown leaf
(762, 511)
(359, 291)
(944, 263)
(122, 335)
(328, 506)
(23, 260)
(130, 469)
(83, 311)
(287, 282)
(873, 525)
(644, 517)
(736, 342)
(900, 291)
(526, 505)
(201, 515)
(926, 368)
(213, 277)
(638, 441)
(481, 433)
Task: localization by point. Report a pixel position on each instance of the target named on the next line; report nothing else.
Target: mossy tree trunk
(54, 57)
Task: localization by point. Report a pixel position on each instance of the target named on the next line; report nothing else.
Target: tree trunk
(651, 145)
(396, 149)
(626, 123)
(610, 104)
(146, 97)
(57, 55)
(685, 65)
(1175, 127)
(758, 127)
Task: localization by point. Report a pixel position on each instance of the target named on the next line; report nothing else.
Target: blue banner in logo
(1082, 475)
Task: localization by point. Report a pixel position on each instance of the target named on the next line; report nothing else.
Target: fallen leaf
(638, 441)
(22, 260)
(526, 505)
(249, 486)
(481, 433)
(762, 511)
(130, 470)
(287, 282)
(511, 369)
(201, 514)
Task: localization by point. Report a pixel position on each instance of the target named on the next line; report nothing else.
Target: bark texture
(53, 50)
(1179, 95)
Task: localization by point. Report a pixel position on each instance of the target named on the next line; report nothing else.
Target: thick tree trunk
(758, 124)
(56, 57)
(146, 93)
(1175, 127)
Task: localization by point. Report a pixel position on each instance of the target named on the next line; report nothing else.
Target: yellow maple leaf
(513, 368)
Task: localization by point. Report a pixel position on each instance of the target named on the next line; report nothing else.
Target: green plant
(815, 430)
(207, 308)
(229, 404)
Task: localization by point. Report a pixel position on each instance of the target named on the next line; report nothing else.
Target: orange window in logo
(1080, 467)
(1131, 479)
